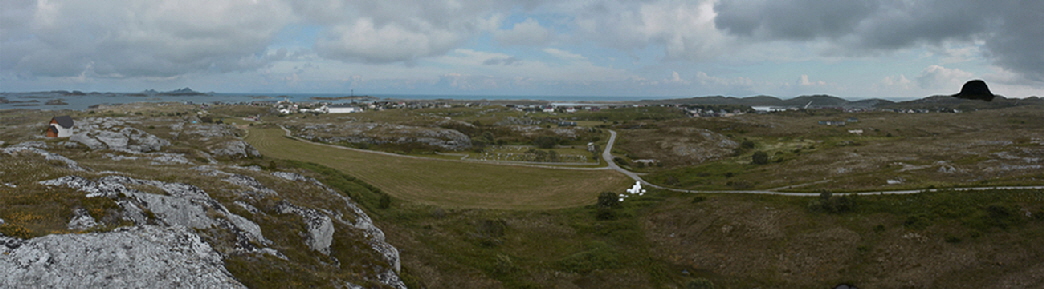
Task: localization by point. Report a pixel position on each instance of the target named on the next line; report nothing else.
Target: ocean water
(80, 102)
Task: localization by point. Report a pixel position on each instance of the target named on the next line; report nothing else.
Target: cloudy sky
(654, 48)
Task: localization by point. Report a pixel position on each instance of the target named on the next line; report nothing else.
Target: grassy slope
(450, 183)
(978, 144)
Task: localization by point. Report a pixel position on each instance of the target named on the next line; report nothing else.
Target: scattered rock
(235, 149)
(290, 176)
(135, 257)
(71, 164)
(81, 220)
(254, 187)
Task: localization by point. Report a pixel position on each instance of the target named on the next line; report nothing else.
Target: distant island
(177, 92)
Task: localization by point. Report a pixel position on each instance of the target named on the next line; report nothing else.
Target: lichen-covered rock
(81, 220)
(235, 149)
(320, 226)
(32, 148)
(185, 205)
(135, 257)
(375, 237)
(87, 141)
(101, 133)
(112, 140)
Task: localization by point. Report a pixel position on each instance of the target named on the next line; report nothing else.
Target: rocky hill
(164, 202)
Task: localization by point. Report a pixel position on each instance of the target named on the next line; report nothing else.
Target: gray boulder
(112, 140)
(320, 226)
(134, 257)
(87, 141)
(234, 149)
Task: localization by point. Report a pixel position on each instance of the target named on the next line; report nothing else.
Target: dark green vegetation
(664, 240)
(945, 239)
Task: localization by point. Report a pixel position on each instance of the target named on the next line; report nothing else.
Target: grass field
(451, 184)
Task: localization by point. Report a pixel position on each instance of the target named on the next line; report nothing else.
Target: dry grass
(450, 183)
(1002, 146)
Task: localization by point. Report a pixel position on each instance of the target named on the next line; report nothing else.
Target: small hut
(60, 126)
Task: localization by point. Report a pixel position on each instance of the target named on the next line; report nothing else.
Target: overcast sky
(785, 48)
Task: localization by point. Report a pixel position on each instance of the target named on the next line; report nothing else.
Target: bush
(1002, 216)
(828, 203)
(746, 144)
(604, 208)
(608, 200)
(546, 142)
(489, 232)
(384, 202)
(759, 158)
(917, 222)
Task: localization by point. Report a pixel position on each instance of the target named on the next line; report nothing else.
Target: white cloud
(896, 81)
(684, 28)
(936, 76)
(528, 32)
(363, 40)
(564, 55)
(803, 81)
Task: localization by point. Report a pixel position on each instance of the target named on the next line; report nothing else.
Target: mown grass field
(451, 184)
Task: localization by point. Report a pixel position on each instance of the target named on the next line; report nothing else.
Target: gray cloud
(685, 29)
(1011, 29)
(397, 30)
(501, 61)
(794, 19)
(152, 38)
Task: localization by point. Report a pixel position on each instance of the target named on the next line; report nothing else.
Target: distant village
(287, 106)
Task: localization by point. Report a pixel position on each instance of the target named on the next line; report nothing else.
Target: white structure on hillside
(344, 109)
(636, 189)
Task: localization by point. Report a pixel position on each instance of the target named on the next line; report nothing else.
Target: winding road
(611, 165)
(608, 157)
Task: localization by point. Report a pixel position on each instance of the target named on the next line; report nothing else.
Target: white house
(60, 126)
(343, 109)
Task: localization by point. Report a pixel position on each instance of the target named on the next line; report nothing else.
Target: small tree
(606, 202)
(759, 158)
(384, 202)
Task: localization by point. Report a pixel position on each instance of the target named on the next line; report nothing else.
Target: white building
(343, 109)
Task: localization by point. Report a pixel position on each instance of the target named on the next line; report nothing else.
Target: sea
(81, 102)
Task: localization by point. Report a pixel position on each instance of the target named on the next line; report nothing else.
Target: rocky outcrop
(375, 237)
(133, 257)
(320, 227)
(382, 133)
(234, 149)
(33, 147)
(114, 134)
(207, 131)
(81, 220)
(184, 205)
